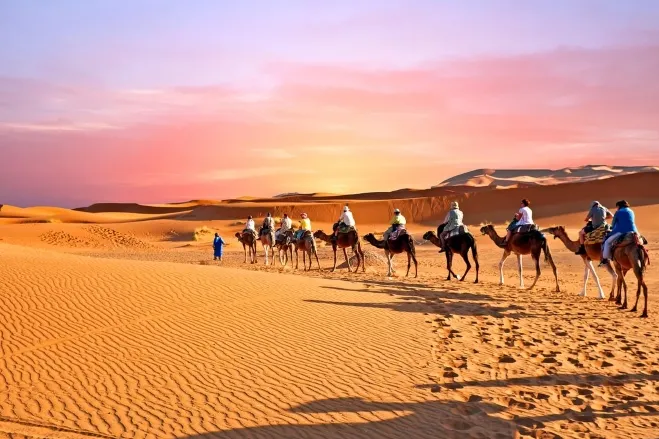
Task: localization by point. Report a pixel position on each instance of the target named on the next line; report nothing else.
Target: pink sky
(297, 124)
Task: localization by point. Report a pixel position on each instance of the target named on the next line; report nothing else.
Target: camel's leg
(520, 270)
(645, 297)
(465, 257)
(416, 265)
(614, 281)
(586, 273)
(537, 270)
(506, 253)
(448, 264)
(553, 268)
(597, 280)
(345, 254)
(389, 264)
(474, 254)
(304, 260)
(334, 267)
(317, 260)
(297, 258)
(363, 257)
(266, 250)
(409, 263)
(638, 296)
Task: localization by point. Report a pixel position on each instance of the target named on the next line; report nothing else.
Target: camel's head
(554, 231)
(428, 235)
(238, 235)
(369, 237)
(487, 229)
(318, 234)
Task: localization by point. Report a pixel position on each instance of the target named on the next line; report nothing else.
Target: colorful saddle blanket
(397, 233)
(597, 236)
(629, 238)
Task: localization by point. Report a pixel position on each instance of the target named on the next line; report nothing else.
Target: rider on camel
(452, 222)
(397, 222)
(597, 216)
(346, 220)
(523, 217)
(305, 226)
(624, 222)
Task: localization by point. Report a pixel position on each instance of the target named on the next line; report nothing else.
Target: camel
(285, 247)
(593, 253)
(248, 240)
(307, 246)
(632, 256)
(403, 243)
(532, 243)
(459, 244)
(268, 241)
(344, 241)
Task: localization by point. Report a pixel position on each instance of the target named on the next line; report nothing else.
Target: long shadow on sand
(432, 301)
(431, 419)
(434, 419)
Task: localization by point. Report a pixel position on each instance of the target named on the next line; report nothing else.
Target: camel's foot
(601, 296)
(644, 315)
(623, 306)
(458, 277)
(557, 290)
(582, 294)
(448, 278)
(633, 309)
(476, 281)
(461, 279)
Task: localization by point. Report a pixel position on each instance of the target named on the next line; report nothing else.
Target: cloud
(272, 153)
(558, 108)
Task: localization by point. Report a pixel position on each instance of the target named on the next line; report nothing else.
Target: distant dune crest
(514, 178)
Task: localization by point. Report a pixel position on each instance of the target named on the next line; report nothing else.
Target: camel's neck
(376, 242)
(571, 245)
(324, 237)
(434, 239)
(498, 240)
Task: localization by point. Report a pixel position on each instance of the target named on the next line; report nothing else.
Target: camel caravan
(618, 247)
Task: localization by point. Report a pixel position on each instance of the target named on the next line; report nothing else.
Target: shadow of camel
(433, 301)
(418, 420)
(433, 419)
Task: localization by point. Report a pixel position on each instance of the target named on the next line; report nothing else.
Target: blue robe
(218, 245)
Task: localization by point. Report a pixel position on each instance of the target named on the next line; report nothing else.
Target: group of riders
(623, 223)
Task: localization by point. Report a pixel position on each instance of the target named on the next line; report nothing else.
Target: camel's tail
(644, 256)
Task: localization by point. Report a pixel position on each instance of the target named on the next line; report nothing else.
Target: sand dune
(136, 348)
(531, 177)
(117, 323)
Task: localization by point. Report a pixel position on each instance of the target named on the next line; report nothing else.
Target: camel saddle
(597, 236)
(628, 239)
(346, 229)
(285, 237)
(306, 234)
(526, 228)
(461, 230)
(396, 233)
(265, 231)
(253, 232)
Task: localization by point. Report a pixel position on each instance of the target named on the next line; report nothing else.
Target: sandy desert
(117, 323)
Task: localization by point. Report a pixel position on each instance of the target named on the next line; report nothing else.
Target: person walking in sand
(218, 247)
